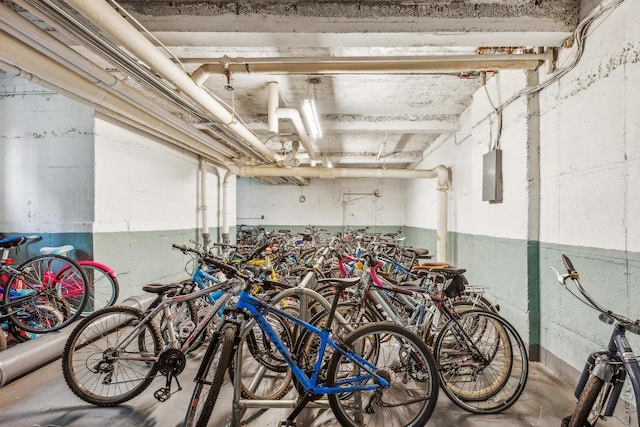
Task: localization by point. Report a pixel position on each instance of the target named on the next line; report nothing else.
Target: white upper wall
(144, 185)
(590, 149)
(328, 202)
(46, 160)
(463, 152)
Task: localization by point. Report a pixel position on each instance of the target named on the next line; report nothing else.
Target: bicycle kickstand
(289, 422)
(163, 394)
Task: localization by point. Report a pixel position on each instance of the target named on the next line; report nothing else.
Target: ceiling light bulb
(311, 115)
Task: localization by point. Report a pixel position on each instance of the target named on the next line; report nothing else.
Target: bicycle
(606, 369)
(114, 354)
(39, 295)
(103, 282)
(363, 384)
(482, 360)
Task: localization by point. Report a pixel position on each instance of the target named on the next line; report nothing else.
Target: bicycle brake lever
(561, 278)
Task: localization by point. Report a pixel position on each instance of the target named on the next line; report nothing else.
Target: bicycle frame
(256, 308)
(163, 306)
(612, 365)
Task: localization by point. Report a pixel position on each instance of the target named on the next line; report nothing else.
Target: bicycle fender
(603, 369)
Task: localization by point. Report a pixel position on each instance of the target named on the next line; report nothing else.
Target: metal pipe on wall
(203, 204)
(38, 64)
(110, 21)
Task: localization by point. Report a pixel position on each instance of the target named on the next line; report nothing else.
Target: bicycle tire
(580, 415)
(61, 306)
(3, 340)
(265, 375)
(405, 361)
(31, 297)
(92, 368)
(220, 368)
(104, 288)
(482, 362)
(203, 380)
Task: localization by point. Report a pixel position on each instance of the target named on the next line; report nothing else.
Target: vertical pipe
(225, 207)
(206, 238)
(272, 107)
(441, 232)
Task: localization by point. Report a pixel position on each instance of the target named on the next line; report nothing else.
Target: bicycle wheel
(3, 340)
(32, 297)
(582, 412)
(110, 357)
(482, 362)
(103, 288)
(204, 379)
(61, 307)
(264, 374)
(223, 355)
(404, 360)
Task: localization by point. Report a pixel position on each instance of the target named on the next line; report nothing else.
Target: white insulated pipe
(226, 190)
(40, 65)
(109, 20)
(204, 209)
(274, 112)
(440, 172)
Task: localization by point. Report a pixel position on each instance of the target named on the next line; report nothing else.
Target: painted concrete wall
(329, 203)
(118, 196)
(589, 195)
(47, 156)
(590, 176)
(489, 240)
(147, 198)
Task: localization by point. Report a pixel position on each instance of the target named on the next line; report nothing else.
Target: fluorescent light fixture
(311, 116)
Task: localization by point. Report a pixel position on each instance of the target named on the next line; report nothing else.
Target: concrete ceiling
(375, 111)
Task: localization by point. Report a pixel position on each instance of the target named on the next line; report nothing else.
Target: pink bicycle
(43, 294)
(102, 280)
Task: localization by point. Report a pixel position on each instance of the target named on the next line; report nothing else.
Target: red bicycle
(43, 294)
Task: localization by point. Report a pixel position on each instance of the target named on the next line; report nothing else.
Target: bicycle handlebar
(606, 316)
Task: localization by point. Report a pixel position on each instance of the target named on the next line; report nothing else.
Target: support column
(533, 213)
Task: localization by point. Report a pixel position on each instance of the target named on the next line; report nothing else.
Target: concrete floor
(42, 398)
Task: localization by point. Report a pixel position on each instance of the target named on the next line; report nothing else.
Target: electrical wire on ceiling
(579, 37)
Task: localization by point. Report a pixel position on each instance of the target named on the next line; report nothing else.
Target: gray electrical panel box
(492, 176)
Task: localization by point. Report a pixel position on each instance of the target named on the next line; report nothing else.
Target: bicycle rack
(28, 356)
(240, 405)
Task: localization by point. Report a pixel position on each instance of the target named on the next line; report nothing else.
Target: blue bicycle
(378, 374)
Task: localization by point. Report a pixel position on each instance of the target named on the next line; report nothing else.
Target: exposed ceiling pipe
(110, 21)
(274, 112)
(59, 77)
(440, 172)
(366, 64)
(53, 49)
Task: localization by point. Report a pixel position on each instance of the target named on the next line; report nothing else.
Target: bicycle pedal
(162, 394)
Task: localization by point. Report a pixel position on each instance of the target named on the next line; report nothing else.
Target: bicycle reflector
(8, 261)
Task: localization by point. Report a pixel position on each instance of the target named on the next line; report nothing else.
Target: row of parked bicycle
(358, 318)
(299, 318)
(47, 292)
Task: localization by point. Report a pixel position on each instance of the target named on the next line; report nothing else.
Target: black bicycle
(604, 374)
